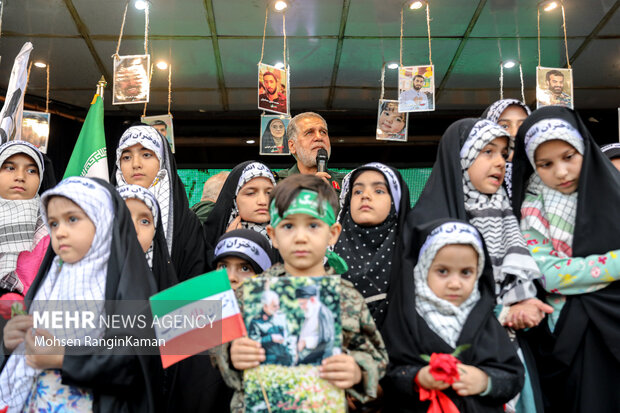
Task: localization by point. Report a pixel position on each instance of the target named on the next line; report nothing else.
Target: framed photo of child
(163, 124)
(297, 322)
(392, 125)
(36, 129)
(131, 79)
(554, 86)
(416, 88)
(273, 86)
(273, 139)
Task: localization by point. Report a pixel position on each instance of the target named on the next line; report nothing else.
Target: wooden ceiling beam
(346, 4)
(216, 53)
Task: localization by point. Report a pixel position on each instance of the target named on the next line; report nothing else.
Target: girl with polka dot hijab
(374, 203)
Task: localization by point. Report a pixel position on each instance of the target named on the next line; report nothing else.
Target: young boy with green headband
(303, 225)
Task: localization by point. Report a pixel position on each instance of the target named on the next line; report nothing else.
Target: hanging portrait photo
(36, 129)
(273, 89)
(131, 79)
(391, 124)
(554, 86)
(163, 124)
(273, 140)
(416, 88)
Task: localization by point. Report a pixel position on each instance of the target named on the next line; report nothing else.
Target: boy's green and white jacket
(360, 339)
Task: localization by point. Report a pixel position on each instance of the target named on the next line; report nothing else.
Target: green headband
(307, 202)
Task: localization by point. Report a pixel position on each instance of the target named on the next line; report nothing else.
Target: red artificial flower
(335, 185)
(443, 367)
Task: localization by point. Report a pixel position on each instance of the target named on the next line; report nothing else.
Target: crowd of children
(511, 268)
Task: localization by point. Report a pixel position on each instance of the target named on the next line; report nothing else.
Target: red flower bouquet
(443, 367)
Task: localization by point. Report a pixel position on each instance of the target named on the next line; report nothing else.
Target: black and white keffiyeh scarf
(443, 317)
(141, 194)
(161, 187)
(21, 225)
(251, 171)
(513, 267)
(67, 287)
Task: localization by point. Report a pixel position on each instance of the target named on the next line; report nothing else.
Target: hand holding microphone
(321, 165)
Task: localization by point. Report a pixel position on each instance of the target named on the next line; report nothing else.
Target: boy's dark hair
(289, 188)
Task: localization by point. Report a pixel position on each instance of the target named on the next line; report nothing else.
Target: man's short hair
(553, 73)
(213, 186)
(269, 296)
(418, 76)
(159, 122)
(292, 131)
(277, 78)
(289, 188)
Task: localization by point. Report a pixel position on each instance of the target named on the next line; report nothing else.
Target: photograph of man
(316, 338)
(163, 124)
(131, 80)
(556, 89)
(273, 140)
(391, 124)
(416, 89)
(270, 329)
(273, 83)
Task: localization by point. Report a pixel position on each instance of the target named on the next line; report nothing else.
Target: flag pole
(101, 85)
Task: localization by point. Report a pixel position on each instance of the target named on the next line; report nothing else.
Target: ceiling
(336, 51)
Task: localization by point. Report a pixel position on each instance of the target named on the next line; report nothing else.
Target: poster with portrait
(554, 86)
(273, 87)
(131, 79)
(416, 88)
(163, 124)
(36, 129)
(297, 321)
(392, 125)
(273, 139)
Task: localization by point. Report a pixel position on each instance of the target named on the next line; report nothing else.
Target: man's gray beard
(306, 159)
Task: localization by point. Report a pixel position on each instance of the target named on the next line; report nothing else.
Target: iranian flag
(196, 315)
(89, 157)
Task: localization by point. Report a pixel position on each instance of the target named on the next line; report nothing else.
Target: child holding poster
(303, 225)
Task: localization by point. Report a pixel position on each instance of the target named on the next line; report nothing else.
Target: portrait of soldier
(131, 80)
(553, 93)
(272, 92)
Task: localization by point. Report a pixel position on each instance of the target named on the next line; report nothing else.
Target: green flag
(89, 157)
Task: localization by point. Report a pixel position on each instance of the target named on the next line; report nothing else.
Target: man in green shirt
(307, 133)
(210, 192)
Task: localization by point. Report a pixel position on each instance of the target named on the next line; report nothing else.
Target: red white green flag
(196, 315)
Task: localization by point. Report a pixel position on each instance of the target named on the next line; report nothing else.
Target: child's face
(511, 118)
(558, 164)
(139, 165)
(452, 275)
(370, 199)
(616, 162)
(487, 171)
(238, 270)
(302, 241)
(143, 221)
(19, 178)
(253, 200)
(390, 121)
(72, 231)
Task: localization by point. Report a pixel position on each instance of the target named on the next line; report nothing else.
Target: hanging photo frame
(273, 137)
(554, 86)
(392, 125)
(163, 124)
(131, 79)
(416, 88)
(36, 129)
(273, 87)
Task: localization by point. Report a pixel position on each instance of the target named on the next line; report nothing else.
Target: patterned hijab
(544, 209)
(370, 251)
(513, 266)
(146, 197)
(21, 225)
(84, 280)
(225, 209)
(494, 113)
(148, 137)
(443, 317)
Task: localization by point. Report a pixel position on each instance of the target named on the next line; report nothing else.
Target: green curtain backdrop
(194, 180)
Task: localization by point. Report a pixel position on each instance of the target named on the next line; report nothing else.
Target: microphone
(321, 160)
